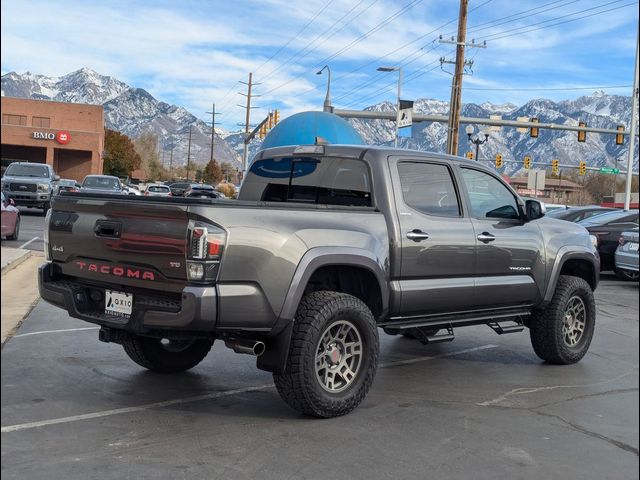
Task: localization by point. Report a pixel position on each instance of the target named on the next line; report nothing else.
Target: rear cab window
(323, 180)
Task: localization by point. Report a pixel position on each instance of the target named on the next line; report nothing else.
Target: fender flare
(570, 252)
(326, 256)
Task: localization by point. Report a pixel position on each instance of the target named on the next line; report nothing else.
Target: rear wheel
(16, 232)
(628, 275)
(165, 355)
(562, 332)
(333, 355)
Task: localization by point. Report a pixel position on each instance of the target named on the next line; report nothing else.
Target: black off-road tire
(300, 386)
(16, 231)
(45, 208)
(160, 356)
(627, 275)
(546, 326)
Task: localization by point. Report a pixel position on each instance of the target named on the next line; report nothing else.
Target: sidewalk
(12, 257)
(19, 287)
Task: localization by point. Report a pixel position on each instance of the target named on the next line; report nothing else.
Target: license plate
(633, 247)
(203, 196)
(118, 303)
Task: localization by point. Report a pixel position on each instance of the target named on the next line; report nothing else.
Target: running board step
(510, 326)
(437, 338)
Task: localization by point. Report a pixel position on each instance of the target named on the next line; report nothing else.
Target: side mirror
(534, 209)
(56, 178)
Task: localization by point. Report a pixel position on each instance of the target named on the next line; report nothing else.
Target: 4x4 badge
(175, 264)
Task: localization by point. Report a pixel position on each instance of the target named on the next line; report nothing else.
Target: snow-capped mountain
(597, 110)
(129, 110)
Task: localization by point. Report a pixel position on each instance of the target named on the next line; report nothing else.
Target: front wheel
(333, 355)
(562, 332)
(45, 208)
(165, 355)
(16, 231)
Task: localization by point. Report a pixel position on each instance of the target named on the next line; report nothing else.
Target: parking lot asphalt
(481, 407)
(31, 234)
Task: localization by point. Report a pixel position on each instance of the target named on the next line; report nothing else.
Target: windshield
(103, 183)
(40, 171)
(158, 188)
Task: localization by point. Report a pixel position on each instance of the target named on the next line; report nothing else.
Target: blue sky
(194, 53)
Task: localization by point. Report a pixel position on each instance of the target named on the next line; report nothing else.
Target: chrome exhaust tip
(246, 346)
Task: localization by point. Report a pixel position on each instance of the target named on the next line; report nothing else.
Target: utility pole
(632, 128)
(171, 161)
(455, 104)
(213, 128)
(247, 123)
(189, 153)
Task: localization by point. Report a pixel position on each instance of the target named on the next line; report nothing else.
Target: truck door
(510, 251)
(437, 243)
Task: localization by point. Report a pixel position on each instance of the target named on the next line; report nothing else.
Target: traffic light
(498, 160)
(270, 121)
(555, 167)
(582, 169)
(582, 135)
(534, 130)
(470, 155)
(527, 162)
(619, 136)
(276, 117)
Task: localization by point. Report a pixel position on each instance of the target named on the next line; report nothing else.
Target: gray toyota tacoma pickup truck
(325, 245)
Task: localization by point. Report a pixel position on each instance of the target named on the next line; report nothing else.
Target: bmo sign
(62, 137)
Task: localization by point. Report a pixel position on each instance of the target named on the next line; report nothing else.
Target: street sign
(609, 170)
(536, 180)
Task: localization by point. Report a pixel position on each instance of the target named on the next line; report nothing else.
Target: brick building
(69, 136)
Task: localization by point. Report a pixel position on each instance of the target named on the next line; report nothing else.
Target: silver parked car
(158, 190)
(626, 257)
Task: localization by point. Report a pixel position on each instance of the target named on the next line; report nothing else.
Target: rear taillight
(206, 245)
(146, 194)
(170, 194)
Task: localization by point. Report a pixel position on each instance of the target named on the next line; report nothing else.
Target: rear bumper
(627, 260)
(195, 311)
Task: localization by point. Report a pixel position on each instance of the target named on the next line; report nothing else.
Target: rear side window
(429, 188)
(326, 181)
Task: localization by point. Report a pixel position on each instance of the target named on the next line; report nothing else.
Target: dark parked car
(199, 190)
(102, 184)
(10, 219)
(607, 228)
(576, 214)
(178, 189)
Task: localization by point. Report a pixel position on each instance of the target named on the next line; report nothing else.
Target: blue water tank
(303, 128)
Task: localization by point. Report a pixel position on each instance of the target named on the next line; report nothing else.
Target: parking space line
(55, 331)
(27, 243)
(207, 396)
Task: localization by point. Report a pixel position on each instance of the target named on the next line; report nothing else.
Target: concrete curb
(16, 261)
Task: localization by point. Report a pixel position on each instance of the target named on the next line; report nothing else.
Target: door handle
(486, 237)
(417, 235)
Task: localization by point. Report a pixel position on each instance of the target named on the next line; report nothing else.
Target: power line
(302, 29)
(536, 89)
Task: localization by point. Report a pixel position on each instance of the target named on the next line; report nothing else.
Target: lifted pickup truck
(325, 244)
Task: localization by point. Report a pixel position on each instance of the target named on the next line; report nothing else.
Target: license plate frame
(118, 303)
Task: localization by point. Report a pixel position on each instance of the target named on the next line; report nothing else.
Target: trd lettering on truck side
(116, 271)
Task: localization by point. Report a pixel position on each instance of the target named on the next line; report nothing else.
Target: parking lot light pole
(399, 70)
(477, 141)
(327, 99)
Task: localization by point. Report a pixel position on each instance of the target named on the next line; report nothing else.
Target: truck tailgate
(121, 241)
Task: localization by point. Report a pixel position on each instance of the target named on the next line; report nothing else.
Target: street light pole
(476, 141)
(632, 131)
(399, 70)
(327, 99)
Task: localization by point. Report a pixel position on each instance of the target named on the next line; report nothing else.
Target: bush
(228, 189)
